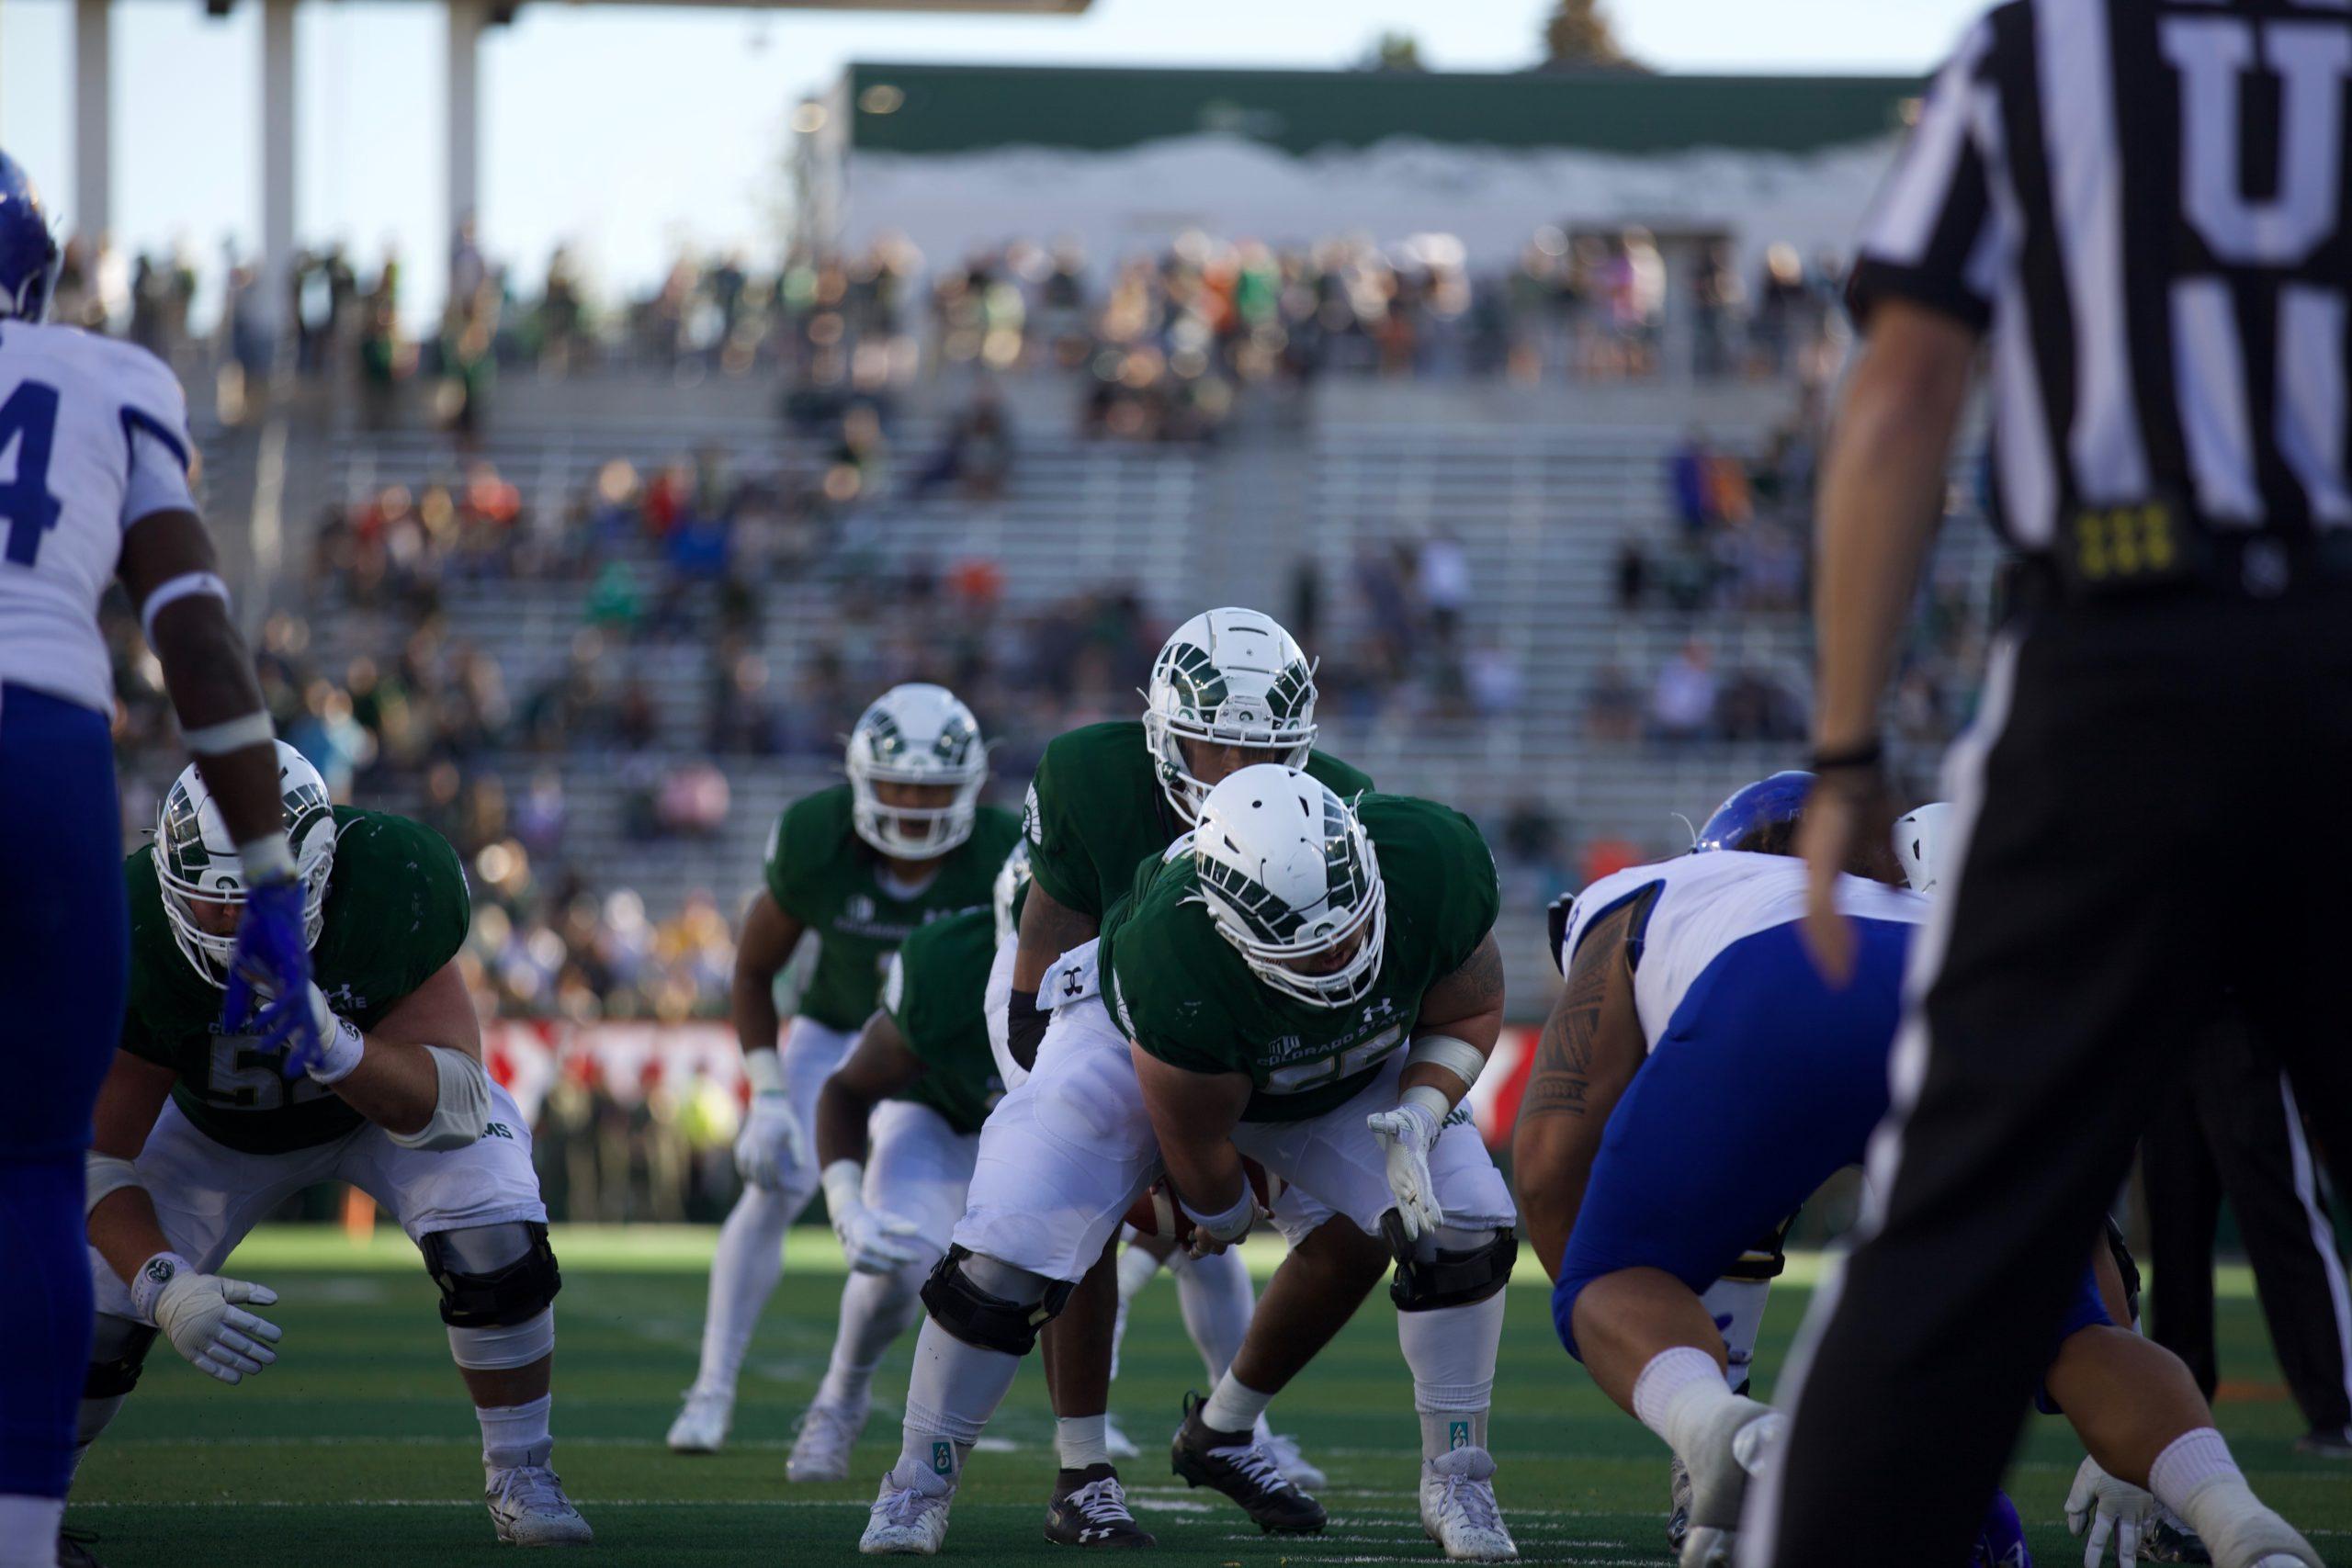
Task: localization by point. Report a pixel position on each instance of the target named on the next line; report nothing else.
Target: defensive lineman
(858, 866)
(1229, 687)
(1697, 1081)
(202, 1130)
(95, 450)
(1269, 988)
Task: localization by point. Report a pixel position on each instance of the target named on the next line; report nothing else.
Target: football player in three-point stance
(1258, 993)
(1698, 1079)
(1229, 687)
(208, 1129)
(860, 866)
(97, 489)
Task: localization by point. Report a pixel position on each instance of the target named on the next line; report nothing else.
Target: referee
(2140, 205)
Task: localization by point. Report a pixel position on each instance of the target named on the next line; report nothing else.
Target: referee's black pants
(2232, 1129)
(2150, 809)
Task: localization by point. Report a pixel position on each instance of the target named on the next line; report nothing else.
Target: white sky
(630, 131)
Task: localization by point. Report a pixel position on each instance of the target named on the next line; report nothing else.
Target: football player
(898, 1125)
(857, 867)
(1229, 687)
(94, 434)
(205, 1129)
(1697, 1080)
(1257, 992)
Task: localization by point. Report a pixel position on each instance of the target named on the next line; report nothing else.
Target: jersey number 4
(28, 423)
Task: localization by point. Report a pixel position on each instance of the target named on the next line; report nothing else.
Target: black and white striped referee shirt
(2144, 201)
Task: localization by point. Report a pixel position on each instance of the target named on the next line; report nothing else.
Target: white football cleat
(1459, 1510)
(821, 1450)
(702, 1422)
(1296, 1468)
(528, 1505)
(1728, 1456)
(1117, 1442)
(908, 1519)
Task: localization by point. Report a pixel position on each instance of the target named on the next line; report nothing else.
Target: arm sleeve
(155, 440)
(1934, 235)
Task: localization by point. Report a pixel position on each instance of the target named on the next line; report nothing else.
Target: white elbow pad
(462, 1114)
(105, 1174)
(1458, 1056)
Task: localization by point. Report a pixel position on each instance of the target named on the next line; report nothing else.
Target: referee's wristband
(1862, 757)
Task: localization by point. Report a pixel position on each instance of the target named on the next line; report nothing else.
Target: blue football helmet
(1764, 803)
(2000, 1543)
(28, 255)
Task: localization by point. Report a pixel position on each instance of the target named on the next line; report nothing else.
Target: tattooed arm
(1590, 1050)
(1468, 1005)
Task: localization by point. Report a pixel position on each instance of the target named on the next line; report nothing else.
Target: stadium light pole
(93, 118)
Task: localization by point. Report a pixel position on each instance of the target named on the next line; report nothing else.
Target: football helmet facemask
(916, 734)
(1011, 878)
(1290, 878)
(1228, 677)
(1919, 844)
(197, 861)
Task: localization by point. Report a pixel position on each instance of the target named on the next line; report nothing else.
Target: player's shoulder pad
(1579, 913)
(395, 844)
(1344, 779)
(142, 387)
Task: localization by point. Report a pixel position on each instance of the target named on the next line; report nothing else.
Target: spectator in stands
(1682, 701)
(1442, 576)
(1612, 706)
(1632, 574)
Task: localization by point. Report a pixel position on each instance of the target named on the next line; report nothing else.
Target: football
(1157, 1212)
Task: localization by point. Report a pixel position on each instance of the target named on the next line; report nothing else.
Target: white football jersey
(92, 438)
(1706, 903)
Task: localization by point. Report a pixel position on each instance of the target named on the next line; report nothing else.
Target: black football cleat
(1236, 1464)
(1089, 1508)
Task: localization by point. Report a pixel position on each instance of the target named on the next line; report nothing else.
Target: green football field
(357, 1448)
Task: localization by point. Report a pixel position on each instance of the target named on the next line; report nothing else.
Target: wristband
(1453, 1053)
(187, 584)
(1861, 755)
(340, 1053)
(1231, 1224)
(231, 734)
(148, 1284)
(764, 1071)
(1431, 1101)
(844, 1184)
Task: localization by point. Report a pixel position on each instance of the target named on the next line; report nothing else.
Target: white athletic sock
(1450, 1352)
(1234, 1406)
(515, 1435)
(1081, 1440)
(952, 1391)
(876, 1309)
(1214, 1296)
(28, 1530)
(744, 1274)
(1679, 1393)
(1737, 1307)
(2197, 1479)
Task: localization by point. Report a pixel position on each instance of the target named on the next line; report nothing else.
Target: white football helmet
(197, 861)
(916, 734)
(1919, 842)
(1288, 875)
(1229, 677)
(1011, 878)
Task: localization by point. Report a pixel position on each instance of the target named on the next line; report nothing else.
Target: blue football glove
(272, 960)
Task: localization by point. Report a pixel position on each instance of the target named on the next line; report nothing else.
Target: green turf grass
(357, 1448)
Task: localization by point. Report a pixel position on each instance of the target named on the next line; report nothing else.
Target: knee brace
(492, 1276)
(1432, 1273)
(1767, 1258)
(119, 1349)
(960, 1302)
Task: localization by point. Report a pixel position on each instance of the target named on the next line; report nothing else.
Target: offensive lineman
(93, 444)
(1697, 1081)
(202, 1130)
(1269, 989)
(860, 866)
(1229, 687)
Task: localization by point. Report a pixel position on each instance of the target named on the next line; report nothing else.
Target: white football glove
(771, 1141)
(200, 1316)
(1407, 1134)
(874, 1241)
(2109, 1507)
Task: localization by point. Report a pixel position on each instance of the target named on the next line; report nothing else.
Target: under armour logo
(1072, 984)
(1090, 1532)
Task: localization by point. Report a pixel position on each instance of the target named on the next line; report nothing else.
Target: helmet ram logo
(1200, 684)
(1292, 695)
(1270, 920)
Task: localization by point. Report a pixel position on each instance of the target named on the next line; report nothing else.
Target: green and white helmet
(916, 734)
(1228, 677)
(1011, 878)
(1290, 878)
(197, 860)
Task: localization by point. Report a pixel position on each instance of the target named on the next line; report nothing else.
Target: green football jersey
(1182, 993)
(397, 911)
(933, 995)
(1096, 808)
(822, 874)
